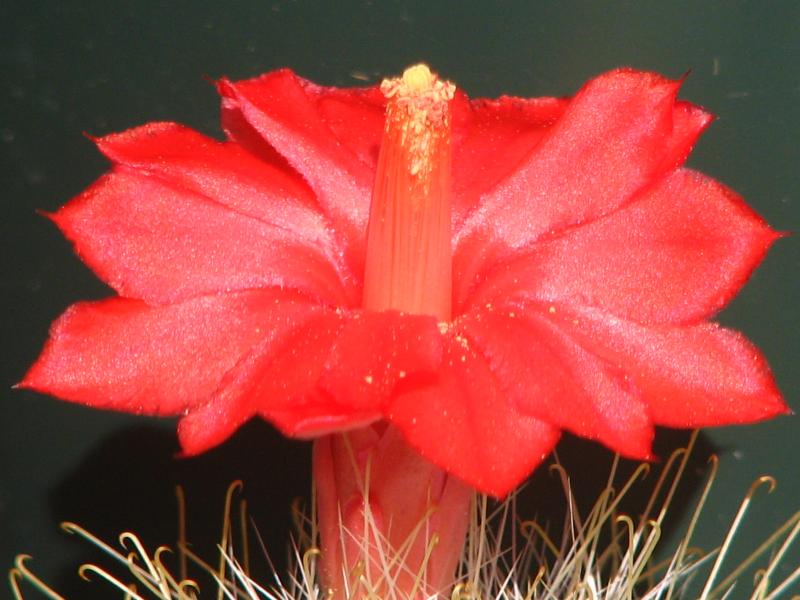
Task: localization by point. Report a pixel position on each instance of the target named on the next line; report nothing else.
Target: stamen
(408, 265)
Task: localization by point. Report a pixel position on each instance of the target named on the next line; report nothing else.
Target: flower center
(409, 256)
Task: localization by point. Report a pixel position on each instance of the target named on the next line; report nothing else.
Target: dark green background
(98, 67)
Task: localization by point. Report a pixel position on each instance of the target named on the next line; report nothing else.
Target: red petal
(151, 240)
(491, 138)
(275, 379)
(691, 376)
(355, 116)
(677, 254)
(548, 376)
(688, 123)
(377, 350)
(221, 172)
(466, 425)
(283, 109)
(616, 135)
(478, 258)
(125, 355)
(322, 371)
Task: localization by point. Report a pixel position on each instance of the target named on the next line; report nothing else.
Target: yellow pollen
(418, 103)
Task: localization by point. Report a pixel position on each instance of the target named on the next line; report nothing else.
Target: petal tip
(225, 87)
(91, 137)
(194, 438)
(35, 379)
(776, 235)
(47, 214)
(27, 382)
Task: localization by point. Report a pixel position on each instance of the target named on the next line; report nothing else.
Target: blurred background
(99, 67)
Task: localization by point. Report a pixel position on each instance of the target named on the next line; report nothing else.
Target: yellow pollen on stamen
(418, 105)
(409, 259)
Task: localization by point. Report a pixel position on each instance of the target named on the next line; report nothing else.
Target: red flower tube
(455, 281)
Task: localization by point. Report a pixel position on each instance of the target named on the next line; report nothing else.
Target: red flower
(586, 264)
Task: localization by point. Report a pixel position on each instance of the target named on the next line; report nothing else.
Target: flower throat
(409, 257)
